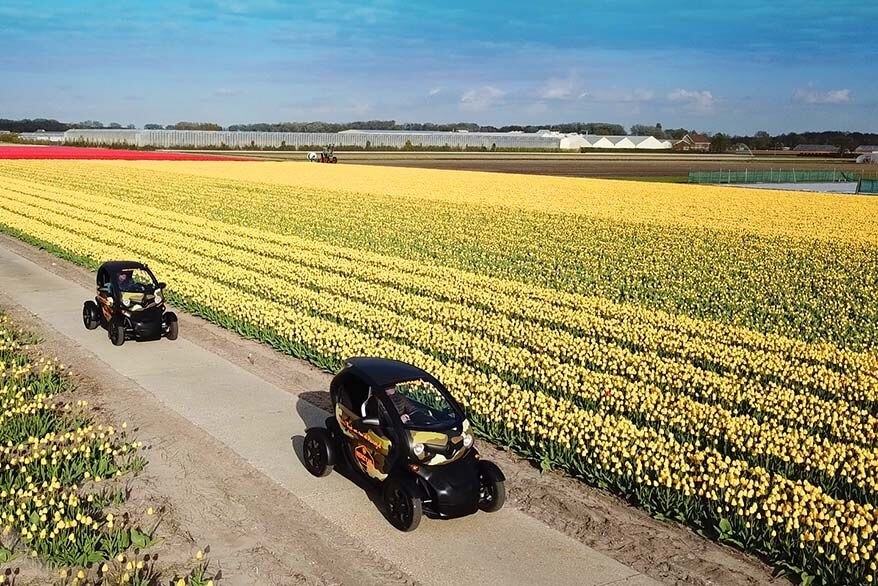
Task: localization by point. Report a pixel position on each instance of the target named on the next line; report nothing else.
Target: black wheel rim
(486, 490)
(399, 508)
(314, 455)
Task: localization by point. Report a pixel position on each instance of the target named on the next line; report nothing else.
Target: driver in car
(404, 406)
(124, 282)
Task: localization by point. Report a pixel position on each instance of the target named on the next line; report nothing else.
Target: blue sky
(716, 66)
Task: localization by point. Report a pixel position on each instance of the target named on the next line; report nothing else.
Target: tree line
(720, 141)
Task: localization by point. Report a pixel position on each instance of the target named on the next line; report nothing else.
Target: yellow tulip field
(708, 353)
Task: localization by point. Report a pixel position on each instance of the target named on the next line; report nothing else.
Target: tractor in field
(327, 155)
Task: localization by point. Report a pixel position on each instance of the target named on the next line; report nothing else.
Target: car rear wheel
(90, 317)
(173, 326)
(402, 504)
(492, 487)
(116, 331)
(317, 453)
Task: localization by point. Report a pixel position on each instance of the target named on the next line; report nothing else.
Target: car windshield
(421, 405)
(136, 281)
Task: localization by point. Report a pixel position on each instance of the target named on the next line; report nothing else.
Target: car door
(103, 298)
(375, 450)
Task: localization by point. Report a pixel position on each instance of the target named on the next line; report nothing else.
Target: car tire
(402, 504)
(116, 331)
(317, 452)
(492, 487)
(173, 325)
(90, 316)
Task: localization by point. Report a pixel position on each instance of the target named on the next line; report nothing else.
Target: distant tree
(32, 125)
(761, 140)
(845, 143)
(644, 130)
(676, 133)
(114, 125)
(131, 127)
(196, 126)
(152, 127)
(89, 124)
(720, 142)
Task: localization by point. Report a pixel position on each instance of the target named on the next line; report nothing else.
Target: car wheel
(173, 326)
(402, 504)
(492, 487)
(116, 331)
(317, 453)
(90, 316)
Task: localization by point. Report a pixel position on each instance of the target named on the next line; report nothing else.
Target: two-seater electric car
(130, 304)
(398, 427)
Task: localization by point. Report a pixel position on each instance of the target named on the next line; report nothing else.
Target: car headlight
(418, 449)
(467, 440)
(126, 302)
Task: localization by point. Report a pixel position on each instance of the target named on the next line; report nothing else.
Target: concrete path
(257, 419)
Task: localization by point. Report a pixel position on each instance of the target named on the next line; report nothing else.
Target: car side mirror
(161, 285)
(105, 290)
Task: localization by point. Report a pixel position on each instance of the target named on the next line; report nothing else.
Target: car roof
(383, 372)
(114, 266)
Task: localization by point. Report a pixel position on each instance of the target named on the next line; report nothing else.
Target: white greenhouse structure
(375, 139)
(351, 138)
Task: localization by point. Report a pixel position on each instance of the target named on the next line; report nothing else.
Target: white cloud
(618, 96)
(434, 91)
(481, 98)
(641, 96)
(699, 101)
(359, 107)
(811, 96)
(563, 88)
(559, 89)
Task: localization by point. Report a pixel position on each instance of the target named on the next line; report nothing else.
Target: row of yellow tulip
(833, 417)
(49, 450)
(468, 299)
(607, 443)
(857, 383)
(55, 487)
(818, 290)
(852, 467)
(790, 518)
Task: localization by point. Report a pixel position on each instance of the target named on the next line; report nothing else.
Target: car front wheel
(317, 452)
(90, 317)
(402, 504)
(492, 487)
(172, 326)
(116, 331)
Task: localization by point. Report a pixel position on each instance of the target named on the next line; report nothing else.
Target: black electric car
(130, 304)
(398, 427)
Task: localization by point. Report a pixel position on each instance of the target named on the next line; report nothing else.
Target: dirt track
(667, 166)
(602, 168)
(261, 532)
